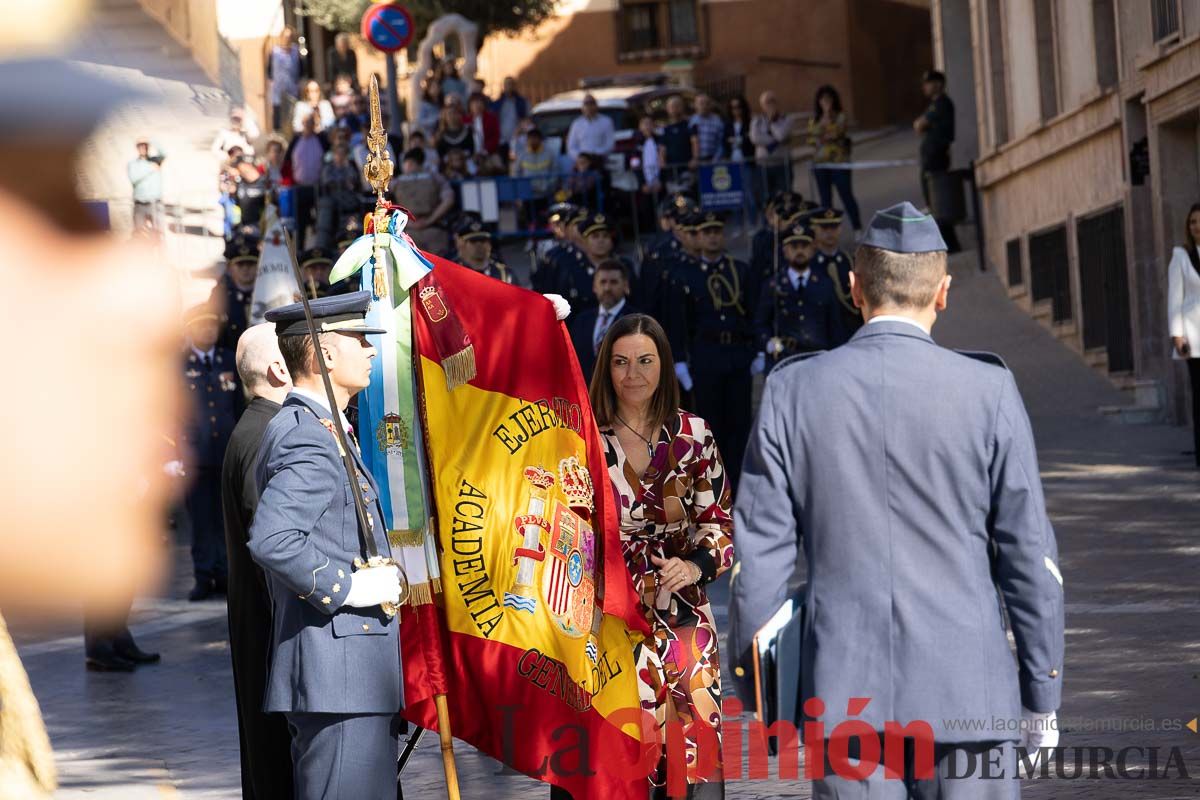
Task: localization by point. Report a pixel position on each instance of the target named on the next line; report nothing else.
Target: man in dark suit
(264, 738)
(936, 127)
(908, 472)
(335, 666)
(610, 285)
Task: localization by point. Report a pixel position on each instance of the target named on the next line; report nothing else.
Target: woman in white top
(313, 100)
(1183, 311)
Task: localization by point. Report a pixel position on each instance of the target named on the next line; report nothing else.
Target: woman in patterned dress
(676, 527)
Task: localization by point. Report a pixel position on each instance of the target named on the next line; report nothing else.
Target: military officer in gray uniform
(908, 473)
(335, 657)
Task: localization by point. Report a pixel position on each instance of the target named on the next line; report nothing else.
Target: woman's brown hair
(665, 401)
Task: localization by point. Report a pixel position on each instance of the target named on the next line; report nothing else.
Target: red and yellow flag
(532, 637)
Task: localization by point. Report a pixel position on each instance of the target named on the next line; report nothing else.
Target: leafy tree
(492, 16)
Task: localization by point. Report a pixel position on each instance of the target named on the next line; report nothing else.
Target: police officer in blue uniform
(833, 262)
(234, 291)
(711, 328)
(797, 310)
(544, 275)
(315, 265)
(335, 665)
(474, 245)
(765, 251)
(574, 270)
(908, 473)
(660, 259)
(215, 403)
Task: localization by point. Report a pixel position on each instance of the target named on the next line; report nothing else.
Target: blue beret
(339, 313)
(903, 229)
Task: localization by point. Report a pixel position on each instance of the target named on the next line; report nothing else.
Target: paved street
(1123, 499)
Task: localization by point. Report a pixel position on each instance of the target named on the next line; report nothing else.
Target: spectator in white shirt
(591, 134)
(313, 101)
(238, 134)
(770, 131)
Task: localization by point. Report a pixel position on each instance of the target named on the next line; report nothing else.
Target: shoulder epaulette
(984, 356)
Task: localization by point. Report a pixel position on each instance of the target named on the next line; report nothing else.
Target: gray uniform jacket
(325, 656)
(909, 473)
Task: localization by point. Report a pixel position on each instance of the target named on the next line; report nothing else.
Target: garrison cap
(339, 313)
(594, 224)
(710, 219)
(903, 229)
(825, 216)
(470, 228)
(242, 247)
(797, 232)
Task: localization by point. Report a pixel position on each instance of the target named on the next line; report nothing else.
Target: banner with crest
(539, 617)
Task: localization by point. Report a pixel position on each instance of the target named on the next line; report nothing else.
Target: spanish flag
(536, 618)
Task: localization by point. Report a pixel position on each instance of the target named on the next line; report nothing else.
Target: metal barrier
(517, 208)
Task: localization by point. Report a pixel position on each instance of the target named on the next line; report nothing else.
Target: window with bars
(657, 27)
(1016, 270)
(1050, 271)
(1165, 16)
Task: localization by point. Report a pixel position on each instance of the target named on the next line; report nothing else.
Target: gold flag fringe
(459, 368)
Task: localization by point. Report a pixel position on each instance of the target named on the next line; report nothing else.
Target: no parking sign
(388, 27)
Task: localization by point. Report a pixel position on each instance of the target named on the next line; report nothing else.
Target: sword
(413, 740)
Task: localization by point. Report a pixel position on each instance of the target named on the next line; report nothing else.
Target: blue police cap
(797, 232)
(339, 313)
(903, 229)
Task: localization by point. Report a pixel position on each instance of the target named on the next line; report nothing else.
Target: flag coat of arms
(540, 619)
(523, 614)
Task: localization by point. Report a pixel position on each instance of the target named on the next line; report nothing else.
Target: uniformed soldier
(711, 328)
(575, 270)
(216, 401)
(764, 238)
(234, 291)
(660, 258)
(908, 472)
(797, 311)
(335, 670)
(596, 232)
(544, 275)
(315, 265)
(474, 244)
(832, 261)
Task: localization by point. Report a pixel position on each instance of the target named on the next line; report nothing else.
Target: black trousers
(722, 394)
(949, 235)
(101, 635)
(203, 502)
(1193, 365)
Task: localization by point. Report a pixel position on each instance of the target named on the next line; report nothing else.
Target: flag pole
(378, 171)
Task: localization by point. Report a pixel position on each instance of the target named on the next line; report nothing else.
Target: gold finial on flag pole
(379, 167)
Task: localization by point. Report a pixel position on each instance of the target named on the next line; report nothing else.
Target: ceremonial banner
(275, 285)
(390, 436)
(538, 619)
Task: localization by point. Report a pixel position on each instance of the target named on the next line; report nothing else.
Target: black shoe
(201, 591)
(109, 662)
(221, 585)
(131, 652)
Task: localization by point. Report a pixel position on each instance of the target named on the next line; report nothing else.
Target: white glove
(759, 364)
(684, 376)
(372, 586)
(561, 307)
(774, 346)
(1038, 730)
(174, 469)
